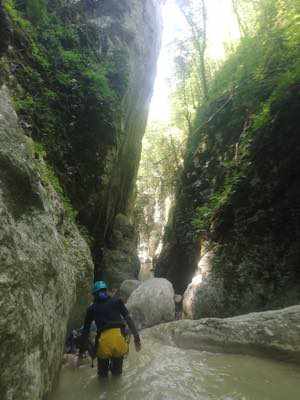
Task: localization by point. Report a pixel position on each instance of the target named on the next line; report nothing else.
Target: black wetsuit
(108, 313)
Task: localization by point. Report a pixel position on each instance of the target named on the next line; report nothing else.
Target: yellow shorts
(112, 344)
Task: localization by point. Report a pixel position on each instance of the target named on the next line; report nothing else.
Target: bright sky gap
(221, 28)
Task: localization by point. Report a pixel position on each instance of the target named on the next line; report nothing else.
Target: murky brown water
(162, 372)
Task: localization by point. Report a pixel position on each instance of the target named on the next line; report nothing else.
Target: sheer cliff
(76, 80)
(238, 198)
(84, 74)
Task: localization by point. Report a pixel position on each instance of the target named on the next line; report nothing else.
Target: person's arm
(125, 314)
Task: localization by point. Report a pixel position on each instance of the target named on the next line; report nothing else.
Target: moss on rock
(46, 268)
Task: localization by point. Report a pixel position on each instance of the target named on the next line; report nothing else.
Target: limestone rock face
(152, 303)
(120, 261)
(45, 269)
(190, 297)
(127, 288)
(132, 28)
(256, 232)
(271, 333)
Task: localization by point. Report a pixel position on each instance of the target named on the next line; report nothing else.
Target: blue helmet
(98, 285)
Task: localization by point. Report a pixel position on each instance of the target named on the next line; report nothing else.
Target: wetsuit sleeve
(123, 309)
(132, 327)
(125, 314)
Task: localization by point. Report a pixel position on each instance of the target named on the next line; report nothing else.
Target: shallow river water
(161, 372)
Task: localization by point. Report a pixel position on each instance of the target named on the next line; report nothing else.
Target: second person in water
(110, 315)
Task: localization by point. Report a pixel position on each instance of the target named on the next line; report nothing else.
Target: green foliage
(240, 182)
(254, 77)
(118, 71)
(67, 88)
(203, 218)
(98, 81)
(160, 166)
(36, 10)
(49, 178)
(26, 103)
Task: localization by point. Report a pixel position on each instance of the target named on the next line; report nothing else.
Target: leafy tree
(160, 166)
(195, 14)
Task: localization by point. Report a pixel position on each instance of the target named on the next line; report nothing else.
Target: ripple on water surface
(161, 372)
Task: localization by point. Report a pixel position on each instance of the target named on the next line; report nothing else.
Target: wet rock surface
(127, 287)
(271, 333)
(152, 303)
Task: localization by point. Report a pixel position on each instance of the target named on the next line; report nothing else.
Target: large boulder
(271, 333)
(152, 303)
(127, 288)
(45, 267)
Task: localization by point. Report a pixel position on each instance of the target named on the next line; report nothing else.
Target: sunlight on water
(161, 372)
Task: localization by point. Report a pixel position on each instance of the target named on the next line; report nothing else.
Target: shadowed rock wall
(134, 27)
(45, 269)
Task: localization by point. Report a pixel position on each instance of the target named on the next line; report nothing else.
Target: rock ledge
(271, 333)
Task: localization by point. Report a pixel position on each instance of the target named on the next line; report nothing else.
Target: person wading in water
(109, 314)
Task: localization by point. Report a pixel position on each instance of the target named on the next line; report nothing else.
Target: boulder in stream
(152, 303)
(270, 333)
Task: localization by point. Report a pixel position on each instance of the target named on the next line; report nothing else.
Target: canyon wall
(238, 196)
(76, 80)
